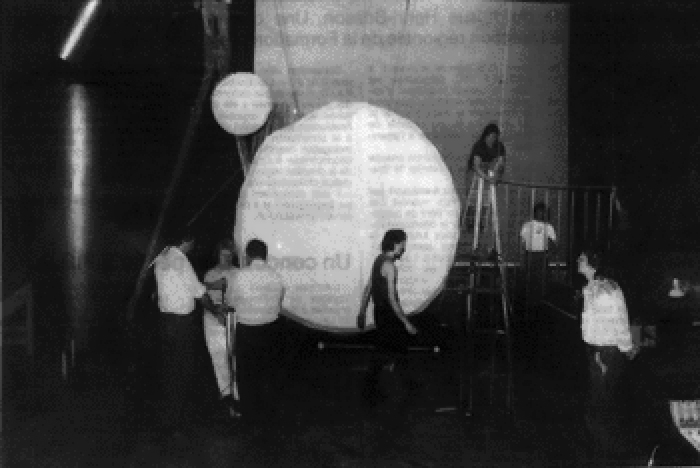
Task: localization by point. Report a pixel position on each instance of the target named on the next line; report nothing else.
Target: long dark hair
(489, 129)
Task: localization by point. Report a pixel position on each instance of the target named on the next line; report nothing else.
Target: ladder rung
(485, 290)
(484, 331)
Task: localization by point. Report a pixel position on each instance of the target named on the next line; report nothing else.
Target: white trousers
(215, 335)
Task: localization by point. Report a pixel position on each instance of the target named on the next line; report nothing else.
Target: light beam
(78, 28)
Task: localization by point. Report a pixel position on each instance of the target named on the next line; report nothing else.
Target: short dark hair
(177, 237)
(595, 258)
(256, 249)
(391, 238)
(540, 206)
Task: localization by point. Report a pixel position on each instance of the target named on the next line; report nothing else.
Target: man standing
(538, 238)
(393, 328)
(214, 322)
(256, 293)
(178, 287)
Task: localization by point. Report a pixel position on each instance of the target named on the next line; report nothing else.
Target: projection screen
(450, 67)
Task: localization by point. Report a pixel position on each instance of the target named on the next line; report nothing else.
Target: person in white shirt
(256, 293)
(538, 239)
(178, 288)
(214, 322)
(606, 331)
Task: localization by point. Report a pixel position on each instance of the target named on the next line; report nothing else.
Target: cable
(399, 54)
(290, 76)
(504, 65)
(213, 197)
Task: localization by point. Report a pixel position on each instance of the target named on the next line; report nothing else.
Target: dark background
(633, 92)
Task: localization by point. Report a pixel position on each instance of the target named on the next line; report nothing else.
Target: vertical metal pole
(611, 214)
(477, 213)
(559, 232)
(598, 214)
(585, 216)
(571, 224)
(496, 229)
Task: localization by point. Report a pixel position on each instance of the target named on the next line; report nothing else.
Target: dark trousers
(603, 408)
(535, 271)
(391, 348)
(258, 355)
(178, 334)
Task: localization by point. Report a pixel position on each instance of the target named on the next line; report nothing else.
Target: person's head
(490, 134)
(185, 241)
(256, 249)
(540, 211)
(394, 242)
(224, 253)
(590, 261)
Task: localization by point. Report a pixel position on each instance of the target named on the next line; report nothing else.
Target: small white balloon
(241, 103)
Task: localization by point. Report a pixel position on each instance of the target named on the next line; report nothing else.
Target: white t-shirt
(256, 293)
(177, 282)
(604, 321)
(535, 235)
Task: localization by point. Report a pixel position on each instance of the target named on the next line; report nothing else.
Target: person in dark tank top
(393, 329)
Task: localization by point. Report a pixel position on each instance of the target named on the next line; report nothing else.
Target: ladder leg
(494, 214)
(477, 213)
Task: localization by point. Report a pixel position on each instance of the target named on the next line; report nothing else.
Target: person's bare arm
(389, 271)
(479, 169)
(362, 316)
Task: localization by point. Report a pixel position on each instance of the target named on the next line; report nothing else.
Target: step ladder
(487, 302)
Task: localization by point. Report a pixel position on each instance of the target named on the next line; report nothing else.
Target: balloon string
(400, 54)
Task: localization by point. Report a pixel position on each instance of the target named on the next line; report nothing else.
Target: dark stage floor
(91, 420)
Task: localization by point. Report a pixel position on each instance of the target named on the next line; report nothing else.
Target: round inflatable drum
(322, 192)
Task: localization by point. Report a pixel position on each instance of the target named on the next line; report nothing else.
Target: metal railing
(581, 215)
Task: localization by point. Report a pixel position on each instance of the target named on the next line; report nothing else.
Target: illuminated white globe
(241, 103)
(321, 194)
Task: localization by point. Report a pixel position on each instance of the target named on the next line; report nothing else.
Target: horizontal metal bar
(324, 345)
(507, 264)
(558, 187)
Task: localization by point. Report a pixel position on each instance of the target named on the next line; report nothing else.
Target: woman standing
(487, 162)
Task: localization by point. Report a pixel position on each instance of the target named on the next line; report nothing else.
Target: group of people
(247, 303)
(242, 307)
(243, 301)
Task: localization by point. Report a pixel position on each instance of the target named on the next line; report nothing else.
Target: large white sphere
(241, 103)
(322, 193)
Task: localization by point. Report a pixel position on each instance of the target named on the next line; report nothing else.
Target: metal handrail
(556, 186)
